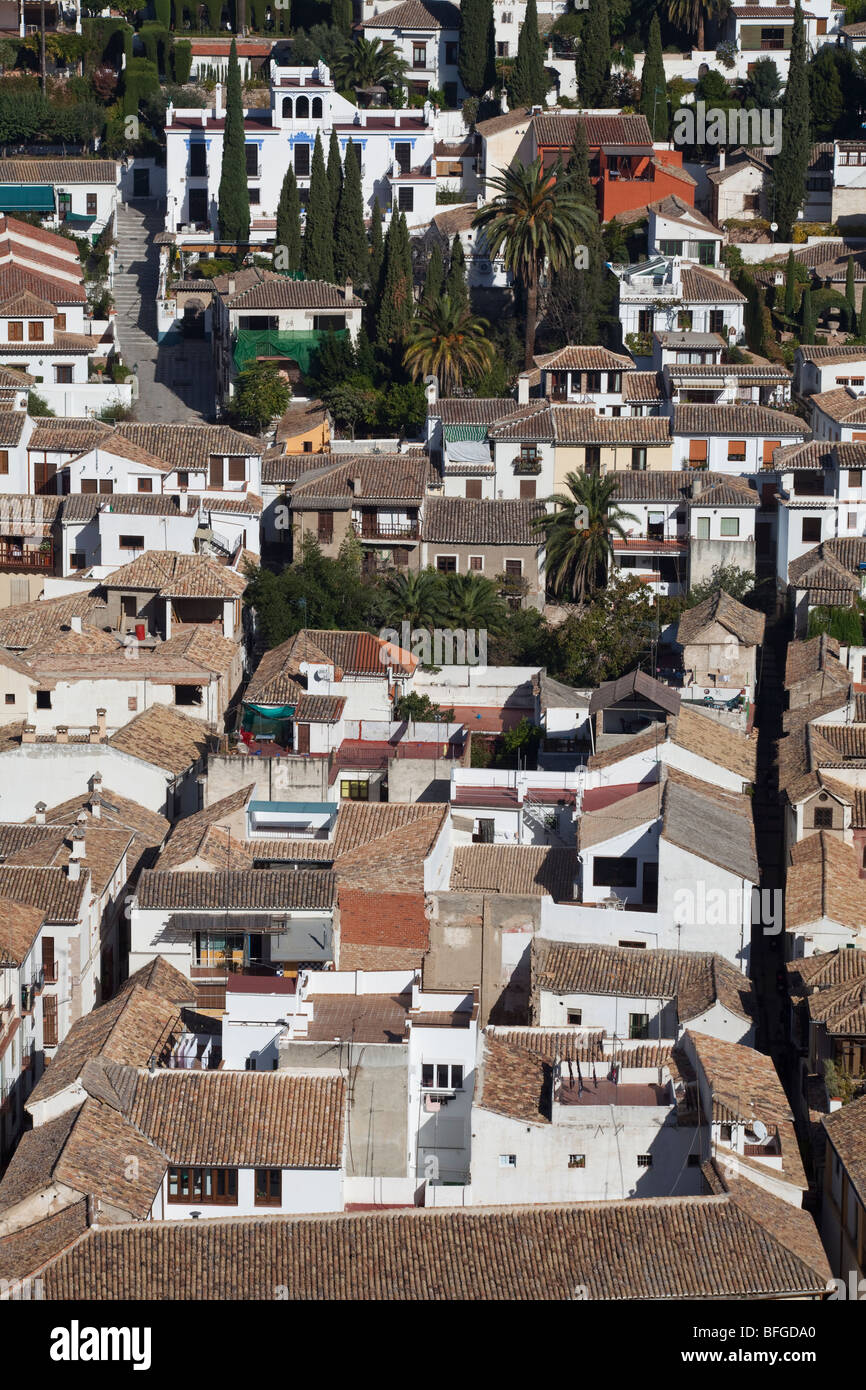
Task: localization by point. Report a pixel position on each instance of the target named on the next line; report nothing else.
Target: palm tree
(370, 63)
(579, 535)
(449, 342)
(415, 598)
(473, 602)
(689, 15)
(536, 217)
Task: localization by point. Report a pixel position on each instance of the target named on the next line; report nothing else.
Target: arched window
(317, 108)
(287, 106)
(302, 108)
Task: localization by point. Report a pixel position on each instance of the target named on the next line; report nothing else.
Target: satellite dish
(759, 1129)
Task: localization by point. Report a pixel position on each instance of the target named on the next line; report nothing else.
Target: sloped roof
(823, 880)
(163, 736)
(744, 623)
(175, 575)
(481, 521)
(635, 685)
(518, 870)
(711, 825)
(415, 14)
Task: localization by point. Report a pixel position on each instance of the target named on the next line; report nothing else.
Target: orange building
(627, 172)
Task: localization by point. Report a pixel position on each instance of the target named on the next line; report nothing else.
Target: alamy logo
(438, 646)
(695, 125)
(77, 1343)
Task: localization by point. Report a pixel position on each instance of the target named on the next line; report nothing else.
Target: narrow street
(175, 381)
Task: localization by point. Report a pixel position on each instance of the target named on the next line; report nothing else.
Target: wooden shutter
(770, 446)
(698, 451)
(49, 963)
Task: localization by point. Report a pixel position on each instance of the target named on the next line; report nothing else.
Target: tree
(690, 16)
(534, 218)
(420, 709)
(396, 302)
(351, 405)
(850, 296)
(415, 598)
(790, 285)
(434, 280)
(402, 409)
(448, 342)
(602, 640)
(807, 322)
(826, 100)
(476, 59)
(262, 394)
(181, 55)
(472, 602)
(455, 284)
(350, 237)
(318, 251)
(341, 15)
(315, 591)
(734, 581)
(370, 63)
(377, 249)
(529, 81)
(593, 59)
(792, 161)
(574, 299)
(234, 193)
(653, 84)
(289, 222)
(763, 84)
(579, 535)
(335, 171)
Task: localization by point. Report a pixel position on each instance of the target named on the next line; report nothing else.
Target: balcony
(527, 467)
(641, 541)
(374, 530)
(26, 557)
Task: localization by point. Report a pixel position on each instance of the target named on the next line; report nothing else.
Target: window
(406, 199)
(645, 321)
(106, 485)
(237, 469)
(4, 460)
(255, 196)
(502, 50)
(183, 480)
(132, 703)
(473, 487)
(638, 460)
(63, 375)
(10, 699)
(49, 1006)
(88, 485)
(694, 1160)
(268, 1187)
(78, 560)
(577, 1160)
(16, 331)
(811, 529)
(476, 562)
(736, 451)
(685, 320)
(419, 55)
(43, 699)
(145, 484)
(354, 791)
(403, 156)
(203, 1186)
(302, 161)
(671, 248)
(574, 1016)
(325, 529)
(514, 568)
(508, 1160)
(441, 1076)
(703, 533)
(644, 1160)
(855, 477)
(446, 564)
(730, 526)
(329, 323)
(36, 331)
(60, 322)
(198, 161)
(527, 489)
(638, 1025)
(770, 447)
(614, 873)
(187, 695)
(823, 818)
(131, 542)
(251, 155)
(451, 54)
(852, 521)
(698, 453)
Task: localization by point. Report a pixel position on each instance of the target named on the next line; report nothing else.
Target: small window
(10, 699)
(823, 818)
(63, 375)
(183, 480)
(251, 155)
(614, 873)
(575, 1016)
(36, 331)
(145, 484)
(730, 526)
(91, 205)
(43, 699)
(644, 1160)
(473, 488)
(406, 200)
(638, 460)
(476, 562)
(78, 560)
(132, 703)
(187, 695)
(703, 533)
(302, 161)
(60, 323)
(16, 331)
(354, 790)
(855, 477)
(268, 1187)
(633, 945)
(446, 564)
(811, 529)
(419, 55)
(736, 451)
(106, 486)
(514, 568)
(237, 469)
(577, 1160)
(508, 1160)
(638, 1025)
(4, 460)
(131, 542)
(527, 489)
(255, 197)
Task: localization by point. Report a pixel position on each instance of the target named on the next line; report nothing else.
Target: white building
(425, 34)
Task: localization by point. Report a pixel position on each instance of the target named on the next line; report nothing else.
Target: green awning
(26, 197)
(81, 219)
(460, 433)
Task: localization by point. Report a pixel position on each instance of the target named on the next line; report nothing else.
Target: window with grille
(823, 818)
(644, 1160)
(406, 199)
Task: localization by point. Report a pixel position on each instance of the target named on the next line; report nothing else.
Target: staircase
(136, 279)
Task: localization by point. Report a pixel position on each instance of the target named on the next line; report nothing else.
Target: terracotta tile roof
(454, 219)
(836, 352)
(11, 427)
(641, 807)
(745, 624)
(93, 1150)
(518, 870)
(269, 890)
(175, 575)
(19, 928)
(514, 1081)
(815, 455)
(48, 889)
(319, 709)
(300, 418)
(850, 453)
(476, 410)
(640, 743)
(704, 736)
(840, 1009)
(662, 1249)
(360, 478)
(271, 291)
(84, 506)
(14, 379)
(202, 644)
(696, 979)
(733, 420)
(675, 209)
(642, 387)
(58, 171)
(823, 972)
(189, 447)
(185, 841)
(635, 683)
(559, 131)
(248, 505)
(160, 977)
(105, 851)
(354, 653)
(586, 359)
(24, 1252)
(505, 121)
(841, 405)
(573, 424)
(25, 304)
(703, 287)
(380, 919)
(723, 492)
(652, 485)
(164, 737)
(710, 825)
(819, 655)
(58, 292)
(241, 1119)
(416, 14)
(823, 881)
(131, 1028)
(471, 521)
(69, 434)
(846, 1131)
(742, 372)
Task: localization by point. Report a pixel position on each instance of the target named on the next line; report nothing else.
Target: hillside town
(433, 772)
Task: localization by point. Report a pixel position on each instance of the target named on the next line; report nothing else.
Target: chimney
(356, 486)
(61, 733)
(73, 870)
(721, 159)
(503, 102)
(75, 623)
(40, 812)
(96, 807)
(231, 284)
(77, 844)
(101, 725)
(349, 290)
(523, 389)
(94, 783)
(697, 485)
(431, 384)
(28, 733)
(218, 100)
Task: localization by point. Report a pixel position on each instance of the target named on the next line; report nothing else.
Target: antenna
(759, 1129)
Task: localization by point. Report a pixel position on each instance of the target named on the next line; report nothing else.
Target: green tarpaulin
(275, 720)
(31, 197)
(300, 347)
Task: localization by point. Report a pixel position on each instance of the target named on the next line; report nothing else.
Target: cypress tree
(807, 325)
(289, 221)
(455, 284)
(377, 250)
(850, 296)
(318, 254)
(574, 301)
(792, 161)
(335, 172)
(342, 16)
(790, 286)
(529, 82)
(593, 59)
(234, 193)
(396, 303)
(476, 59)
(653, 84)
(350, 237)
(435, 277)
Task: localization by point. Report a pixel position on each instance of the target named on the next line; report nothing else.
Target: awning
(80, 219)
(27, 197)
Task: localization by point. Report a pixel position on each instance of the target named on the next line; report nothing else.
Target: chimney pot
(40, 812)
(96, 807)
(61, 733)
(28, 733)
(348, 290)
(523, 389)
(73, 870)
(101, 725)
